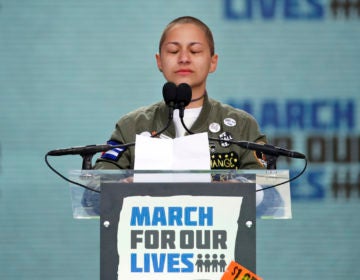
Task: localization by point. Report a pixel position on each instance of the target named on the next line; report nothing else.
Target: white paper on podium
(184, 153)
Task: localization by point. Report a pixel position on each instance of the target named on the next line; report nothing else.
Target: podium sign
(176, 230)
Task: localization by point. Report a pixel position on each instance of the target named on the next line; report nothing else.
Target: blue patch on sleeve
(113, 154)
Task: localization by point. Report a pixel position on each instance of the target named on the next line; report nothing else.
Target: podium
(177, 224)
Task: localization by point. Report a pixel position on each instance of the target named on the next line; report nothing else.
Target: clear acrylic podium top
(271, 203)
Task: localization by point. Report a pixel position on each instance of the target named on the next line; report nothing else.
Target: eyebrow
(178, 44)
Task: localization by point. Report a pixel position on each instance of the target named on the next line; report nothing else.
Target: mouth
(184, 71)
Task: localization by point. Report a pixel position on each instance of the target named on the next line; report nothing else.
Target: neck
(197, 98)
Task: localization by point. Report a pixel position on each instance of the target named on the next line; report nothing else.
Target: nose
(184, 56)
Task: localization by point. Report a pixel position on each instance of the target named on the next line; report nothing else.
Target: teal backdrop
(70, 69)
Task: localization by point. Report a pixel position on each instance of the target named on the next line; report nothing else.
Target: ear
(213, 63)
(158, 62)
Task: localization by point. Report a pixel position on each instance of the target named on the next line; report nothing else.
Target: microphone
(183, 97)
(86, 150)
(169, 94)
(268, 149)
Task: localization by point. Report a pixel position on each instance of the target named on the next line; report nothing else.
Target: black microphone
(268, 149)
(169, 94)
(183, 97)
(86, 150)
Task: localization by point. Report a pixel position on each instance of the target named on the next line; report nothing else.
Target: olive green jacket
(219, 120)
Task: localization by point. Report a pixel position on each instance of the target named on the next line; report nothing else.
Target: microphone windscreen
(169, 92)
(184, 94)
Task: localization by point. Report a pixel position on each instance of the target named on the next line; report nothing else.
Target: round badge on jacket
(225, 136)
(214, 127)
(229, 122)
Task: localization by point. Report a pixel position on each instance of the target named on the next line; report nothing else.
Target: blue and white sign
(178, 237)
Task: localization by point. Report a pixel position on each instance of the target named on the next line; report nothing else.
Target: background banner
(70, 69)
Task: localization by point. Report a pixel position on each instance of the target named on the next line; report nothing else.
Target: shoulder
(143, 113)
(227, 111)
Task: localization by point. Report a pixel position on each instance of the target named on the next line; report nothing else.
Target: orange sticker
(235, 271)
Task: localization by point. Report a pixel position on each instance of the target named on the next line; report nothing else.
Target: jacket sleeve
(250, 159)
(118, 158)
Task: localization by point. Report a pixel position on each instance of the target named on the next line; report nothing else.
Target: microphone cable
(289, 180)
(67, 179)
